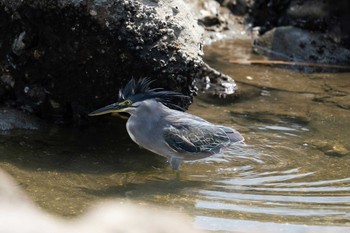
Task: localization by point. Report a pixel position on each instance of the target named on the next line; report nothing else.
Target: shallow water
(293, 174)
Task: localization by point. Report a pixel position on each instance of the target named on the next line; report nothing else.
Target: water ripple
(279, 194)
(268, 210)
(236, 225)
(219, 195)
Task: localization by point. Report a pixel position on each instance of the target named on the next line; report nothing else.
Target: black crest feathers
(134, 87)
(139, 90)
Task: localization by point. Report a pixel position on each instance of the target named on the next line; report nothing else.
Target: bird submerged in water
(173, 134)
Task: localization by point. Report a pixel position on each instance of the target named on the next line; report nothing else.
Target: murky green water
(292, 176)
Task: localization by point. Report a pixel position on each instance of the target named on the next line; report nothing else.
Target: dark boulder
(299, 30)
(300, 45)
(61, 59)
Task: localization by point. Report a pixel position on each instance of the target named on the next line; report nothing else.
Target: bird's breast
(146, 134)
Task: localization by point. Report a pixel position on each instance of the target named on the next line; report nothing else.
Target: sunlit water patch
(273, 180)
(289, 193)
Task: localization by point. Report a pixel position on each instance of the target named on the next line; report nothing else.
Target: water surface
(293, 174)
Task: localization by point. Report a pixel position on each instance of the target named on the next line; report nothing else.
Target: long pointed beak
(116, 107)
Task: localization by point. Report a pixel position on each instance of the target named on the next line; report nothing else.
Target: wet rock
(336, 92)
(77, 54)
(112, 216)
(217, 20)
(313, 15)
(7, 81)
(340, 101)
(321, 16)
(308, 14)
(216, 83)
(14, 119)
(331, 148)
(337, 86)
(211, 17)
(312, 31)
(295, 44)
(238, 7)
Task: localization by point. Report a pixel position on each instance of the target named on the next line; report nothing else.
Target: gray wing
(233, 134)
(199, 136)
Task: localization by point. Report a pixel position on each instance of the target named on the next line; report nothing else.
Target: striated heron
(173, 134)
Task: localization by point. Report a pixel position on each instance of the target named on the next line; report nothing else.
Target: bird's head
(136, 91)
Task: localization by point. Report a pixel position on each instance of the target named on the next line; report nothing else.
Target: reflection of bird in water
(173, 134)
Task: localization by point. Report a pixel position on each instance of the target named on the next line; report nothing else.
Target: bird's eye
(128, 102)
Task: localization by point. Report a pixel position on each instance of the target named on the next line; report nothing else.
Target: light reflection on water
(296, 186)
(286, 192)
(235, 225)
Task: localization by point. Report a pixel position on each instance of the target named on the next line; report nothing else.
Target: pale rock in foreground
(19, 215)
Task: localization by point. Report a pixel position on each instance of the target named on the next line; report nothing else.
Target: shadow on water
(78, 150)
(156, 186)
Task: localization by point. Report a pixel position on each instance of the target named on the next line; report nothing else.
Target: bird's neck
(149, 111)
(144, 122)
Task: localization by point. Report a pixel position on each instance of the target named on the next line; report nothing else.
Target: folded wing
(192, 136)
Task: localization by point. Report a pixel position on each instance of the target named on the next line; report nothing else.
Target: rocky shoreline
(61, 59)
